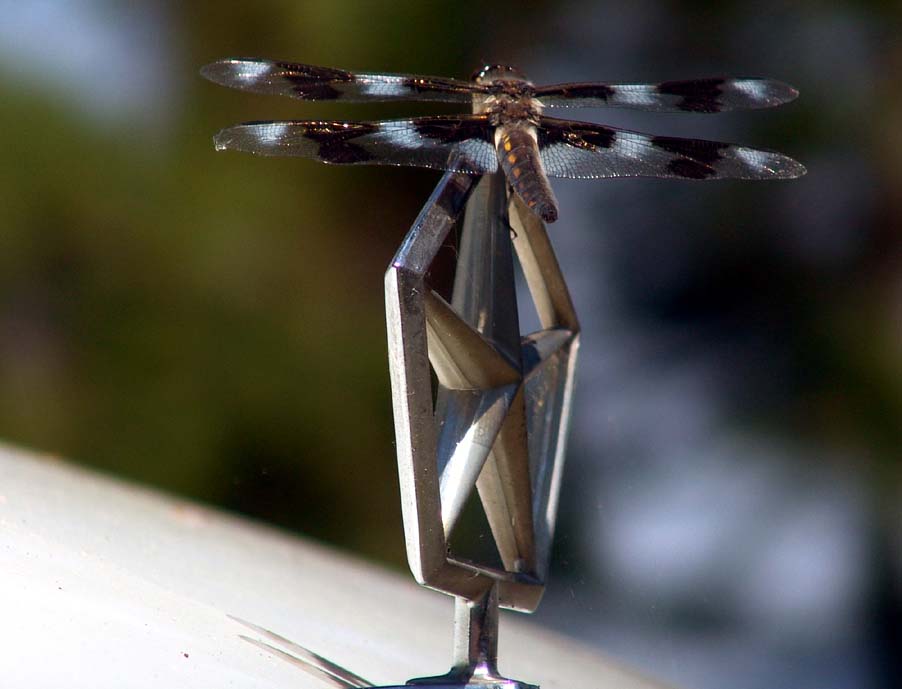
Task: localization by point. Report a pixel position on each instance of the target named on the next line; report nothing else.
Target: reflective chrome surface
(501, 406)
(502, 401)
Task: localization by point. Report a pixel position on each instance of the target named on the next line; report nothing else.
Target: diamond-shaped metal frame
(499, 415)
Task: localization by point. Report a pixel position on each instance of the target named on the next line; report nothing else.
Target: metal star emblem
(502, 400)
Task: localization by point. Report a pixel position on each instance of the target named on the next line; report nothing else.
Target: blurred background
(212, 324)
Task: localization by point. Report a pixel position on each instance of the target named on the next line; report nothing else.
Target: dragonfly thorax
(510, 98)
(504, 110)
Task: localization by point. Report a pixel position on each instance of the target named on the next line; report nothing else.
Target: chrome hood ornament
(501, 406)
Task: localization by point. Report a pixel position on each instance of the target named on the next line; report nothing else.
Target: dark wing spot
(335, 141)
(699, 95)
(686, 167)
(452, 132)
(697, 149)
(577, 136)
(323, 131)
(600, 137)
(599, 91)
(343, 153)
(433, 84)
(314, 83)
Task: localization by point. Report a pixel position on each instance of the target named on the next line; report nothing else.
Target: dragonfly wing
(460, 144)
(694, 95)
(588, 151)
(309, 82)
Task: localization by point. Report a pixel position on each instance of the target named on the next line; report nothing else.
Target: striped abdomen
(519, 158)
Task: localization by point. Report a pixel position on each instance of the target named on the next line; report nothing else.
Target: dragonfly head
(491, 73)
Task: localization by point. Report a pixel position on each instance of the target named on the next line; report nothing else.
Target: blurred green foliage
(212, 324)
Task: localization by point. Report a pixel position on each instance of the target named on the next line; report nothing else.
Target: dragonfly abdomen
(519, 158)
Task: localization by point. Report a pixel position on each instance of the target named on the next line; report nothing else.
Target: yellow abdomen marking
(511, 158)
(507, 143)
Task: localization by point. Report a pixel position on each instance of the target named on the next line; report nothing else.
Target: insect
(507, 127)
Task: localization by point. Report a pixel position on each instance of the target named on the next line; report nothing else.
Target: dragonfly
(507, 127)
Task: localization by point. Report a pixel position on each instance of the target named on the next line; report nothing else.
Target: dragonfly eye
(490, 73)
